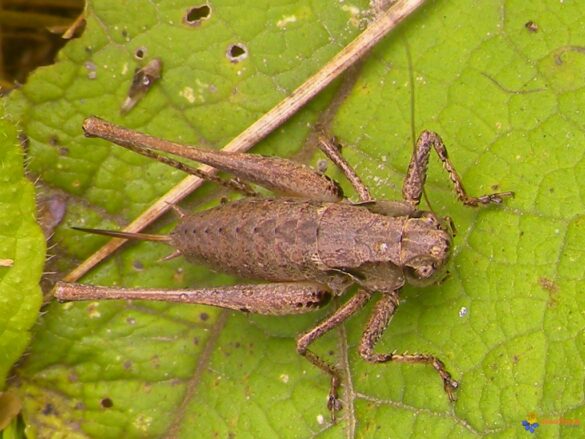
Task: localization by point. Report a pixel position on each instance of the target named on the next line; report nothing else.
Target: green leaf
(507, 323)
(22, 253)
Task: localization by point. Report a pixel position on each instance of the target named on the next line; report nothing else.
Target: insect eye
(425, 271)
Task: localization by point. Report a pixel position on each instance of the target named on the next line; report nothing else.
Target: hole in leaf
(197, 14)
(237, 52)
(107, 403)
(140, 53)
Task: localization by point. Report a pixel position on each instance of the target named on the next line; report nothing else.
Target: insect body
(310, 244)
(330, 243)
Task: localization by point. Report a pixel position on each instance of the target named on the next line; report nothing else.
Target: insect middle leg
(381, 316)
(417, 173)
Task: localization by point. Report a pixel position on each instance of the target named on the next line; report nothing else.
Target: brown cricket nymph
(307, 244)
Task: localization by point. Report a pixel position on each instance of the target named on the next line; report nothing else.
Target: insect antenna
(126, 235)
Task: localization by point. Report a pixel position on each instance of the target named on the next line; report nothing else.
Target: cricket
(308, 243)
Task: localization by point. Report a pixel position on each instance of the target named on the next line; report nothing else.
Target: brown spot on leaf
(49, 409)
(107, 403)
(548, 284)
(551, 288)
(531, 26)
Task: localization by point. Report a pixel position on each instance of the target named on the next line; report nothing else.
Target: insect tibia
(126, 235)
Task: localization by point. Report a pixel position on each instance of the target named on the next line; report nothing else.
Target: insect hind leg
(273, 173)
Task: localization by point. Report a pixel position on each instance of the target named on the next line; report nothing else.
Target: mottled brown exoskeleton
(311, 243)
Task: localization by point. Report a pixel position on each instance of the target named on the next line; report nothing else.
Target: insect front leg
(331, 150)
(381, 316)
(348, 309)
(417, 173)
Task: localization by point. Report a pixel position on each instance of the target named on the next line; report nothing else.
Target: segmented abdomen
(272, 239)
